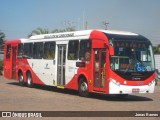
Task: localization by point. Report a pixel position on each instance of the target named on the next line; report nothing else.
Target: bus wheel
(21, 79)
(83, 88)
(29, 80)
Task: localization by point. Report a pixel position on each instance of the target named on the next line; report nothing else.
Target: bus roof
(84, 33)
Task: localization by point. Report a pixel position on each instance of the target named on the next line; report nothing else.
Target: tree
(2, 36)
(157, 49)
(68, 29)
(68, 26)
(39, 31)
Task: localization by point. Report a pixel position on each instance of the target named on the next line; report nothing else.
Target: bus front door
(61, 65)
(99, 70)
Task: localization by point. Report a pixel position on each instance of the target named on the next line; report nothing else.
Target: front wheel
(83, 88)
(29, 80)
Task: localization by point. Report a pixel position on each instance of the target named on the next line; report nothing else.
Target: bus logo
(6, 114)
(140, 83)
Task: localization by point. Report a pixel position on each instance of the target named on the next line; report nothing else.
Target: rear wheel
(20, 78)
(29, 80)
(83, 88)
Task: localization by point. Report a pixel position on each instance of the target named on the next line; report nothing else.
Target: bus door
(10, 61)
(14, 49)
(7, 62)
(99, 70)
(61, 64)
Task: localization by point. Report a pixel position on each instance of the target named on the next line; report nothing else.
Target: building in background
(157, 61)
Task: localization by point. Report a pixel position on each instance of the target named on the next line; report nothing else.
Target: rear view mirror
(111, 50)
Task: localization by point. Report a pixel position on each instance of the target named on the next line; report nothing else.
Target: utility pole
(84, 20)
(105, 23)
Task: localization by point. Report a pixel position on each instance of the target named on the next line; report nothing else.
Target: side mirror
(80, 64)
(111, 50)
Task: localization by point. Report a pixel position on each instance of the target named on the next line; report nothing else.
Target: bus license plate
(135, 90)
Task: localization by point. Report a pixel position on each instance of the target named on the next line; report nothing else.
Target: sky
(19, 17)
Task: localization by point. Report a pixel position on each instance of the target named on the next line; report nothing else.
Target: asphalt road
(44, 98)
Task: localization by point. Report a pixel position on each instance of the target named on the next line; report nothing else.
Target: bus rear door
(61, 65)
(10, 61)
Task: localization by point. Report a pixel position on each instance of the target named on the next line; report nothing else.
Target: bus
(89, 61)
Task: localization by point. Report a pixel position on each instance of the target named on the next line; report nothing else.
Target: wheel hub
(84, 86)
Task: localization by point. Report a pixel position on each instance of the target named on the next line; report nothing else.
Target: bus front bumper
(116, 88)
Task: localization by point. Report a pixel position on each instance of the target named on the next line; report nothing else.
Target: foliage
(1, 67)
(39, 31)
(67, 28)
(156, 49)
(2, 36)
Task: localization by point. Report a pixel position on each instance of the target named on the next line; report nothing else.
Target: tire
(83, 88)
(21, 79)
(29, 80)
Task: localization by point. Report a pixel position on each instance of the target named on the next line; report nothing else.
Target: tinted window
(20, 50)
(49, 50)
(28, 50)
(8, 52)
(73, 49)
(85, 50)
(38, 50)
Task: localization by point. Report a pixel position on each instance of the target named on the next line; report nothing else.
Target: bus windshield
(132, 56)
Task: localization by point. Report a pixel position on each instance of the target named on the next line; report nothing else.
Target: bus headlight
(151, 83)
(114, 81)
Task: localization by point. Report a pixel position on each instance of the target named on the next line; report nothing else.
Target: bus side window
(38, 50)
(49, 50)
(8, 52)
(27, 48)
(73, 50)
(20, 50)
(85, 50)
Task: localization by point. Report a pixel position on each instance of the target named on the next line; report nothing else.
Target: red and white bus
(101, 61)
